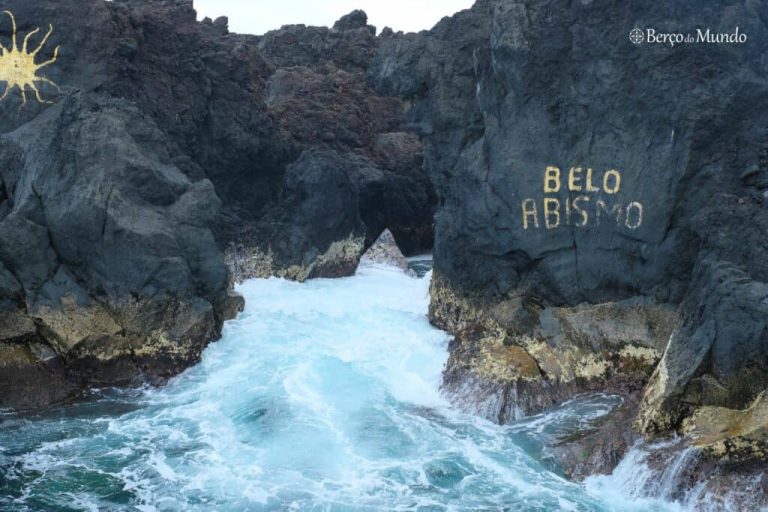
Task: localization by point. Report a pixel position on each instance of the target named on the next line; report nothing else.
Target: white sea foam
(320, 396)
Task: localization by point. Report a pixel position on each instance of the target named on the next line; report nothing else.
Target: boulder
(385, 250)
(353, 20)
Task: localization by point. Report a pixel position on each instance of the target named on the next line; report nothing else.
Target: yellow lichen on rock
(249, 262)
(645, 355)
(457, 314)
(500, 362)
(564, 365)
(15, 325)
(652, 416)
(723, 431)
(588, 341)
(14, 356)
(591, 366)
(70, 323)
(548, 360)
(342, 253)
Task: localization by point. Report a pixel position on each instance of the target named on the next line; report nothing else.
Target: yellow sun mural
(18, 68)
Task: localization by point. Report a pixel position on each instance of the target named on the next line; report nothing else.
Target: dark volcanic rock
(719, 357)
(597, 449)
(168, 142)
(353, 20)
(317, 232)
(321, 98)
(601, 203)
(577, 169)
(106, 258)
(385, 250)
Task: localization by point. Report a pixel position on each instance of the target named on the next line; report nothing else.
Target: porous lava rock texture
(602, 207)
(172, 159)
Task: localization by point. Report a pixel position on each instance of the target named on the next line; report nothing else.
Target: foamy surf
(319, 396)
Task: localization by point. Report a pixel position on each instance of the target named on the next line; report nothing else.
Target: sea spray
(675, 472)
(319, 396)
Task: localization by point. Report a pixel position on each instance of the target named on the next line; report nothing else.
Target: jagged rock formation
(354, 171)
(602, 205)
(385, 250)
(170, 143)
(600, 225)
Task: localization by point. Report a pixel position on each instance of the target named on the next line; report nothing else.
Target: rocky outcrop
(109, 262)
(601, 211)
(521, 357)
(598, 212)
(714, 359)
(168, 149)
(739, 435)
(355, 171)
(385, 250)
(320, 210)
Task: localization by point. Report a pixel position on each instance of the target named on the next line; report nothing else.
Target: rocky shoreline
(598, 222)
(174, 159)
(586, 236)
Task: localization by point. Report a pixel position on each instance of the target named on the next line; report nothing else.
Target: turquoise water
(321, 396)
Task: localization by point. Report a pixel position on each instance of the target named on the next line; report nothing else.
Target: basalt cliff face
(599, 204)
(172, 159)
(602, 212)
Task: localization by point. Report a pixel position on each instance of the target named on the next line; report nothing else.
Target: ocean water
(322, 396)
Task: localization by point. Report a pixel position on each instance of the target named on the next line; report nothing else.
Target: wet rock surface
(600, 224)
(520, 357)
(598, 448)
(577, 169)
(675, 471)
(174, 158)
(386, 251)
